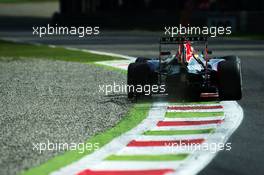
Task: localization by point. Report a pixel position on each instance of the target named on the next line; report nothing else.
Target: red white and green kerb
(144, 150)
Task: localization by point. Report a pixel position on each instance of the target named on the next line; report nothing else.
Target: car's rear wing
(182, 40)
(179, 40)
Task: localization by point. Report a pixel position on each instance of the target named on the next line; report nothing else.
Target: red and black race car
(188, 71)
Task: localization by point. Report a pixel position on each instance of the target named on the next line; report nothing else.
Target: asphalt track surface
(247, 153)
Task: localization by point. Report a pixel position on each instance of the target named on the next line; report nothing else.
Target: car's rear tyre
(139, 74)
(230, 78)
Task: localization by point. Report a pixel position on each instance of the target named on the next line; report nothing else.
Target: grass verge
(23, 1)
(28, 51)
(136, 114)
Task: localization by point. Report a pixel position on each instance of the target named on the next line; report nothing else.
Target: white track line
(121, 64)
(195, 118)
(73, 49)
(190, 127)
(136, 165)
(151, 150)
(197, 110)
(112, 54)
(171, 137)
(173, 128)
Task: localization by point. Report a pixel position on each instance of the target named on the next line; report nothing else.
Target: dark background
(243, 16)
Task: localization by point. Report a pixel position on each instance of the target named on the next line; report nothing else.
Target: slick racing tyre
(230, 78)
(139, 74)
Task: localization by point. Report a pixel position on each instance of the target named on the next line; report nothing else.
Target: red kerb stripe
(136, 143)
(194, 107)
(188, 123)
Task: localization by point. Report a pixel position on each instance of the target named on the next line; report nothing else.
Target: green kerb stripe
(163, 157)
(193, 114)
(179, 132)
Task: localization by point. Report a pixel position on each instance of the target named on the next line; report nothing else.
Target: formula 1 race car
(189, 72)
